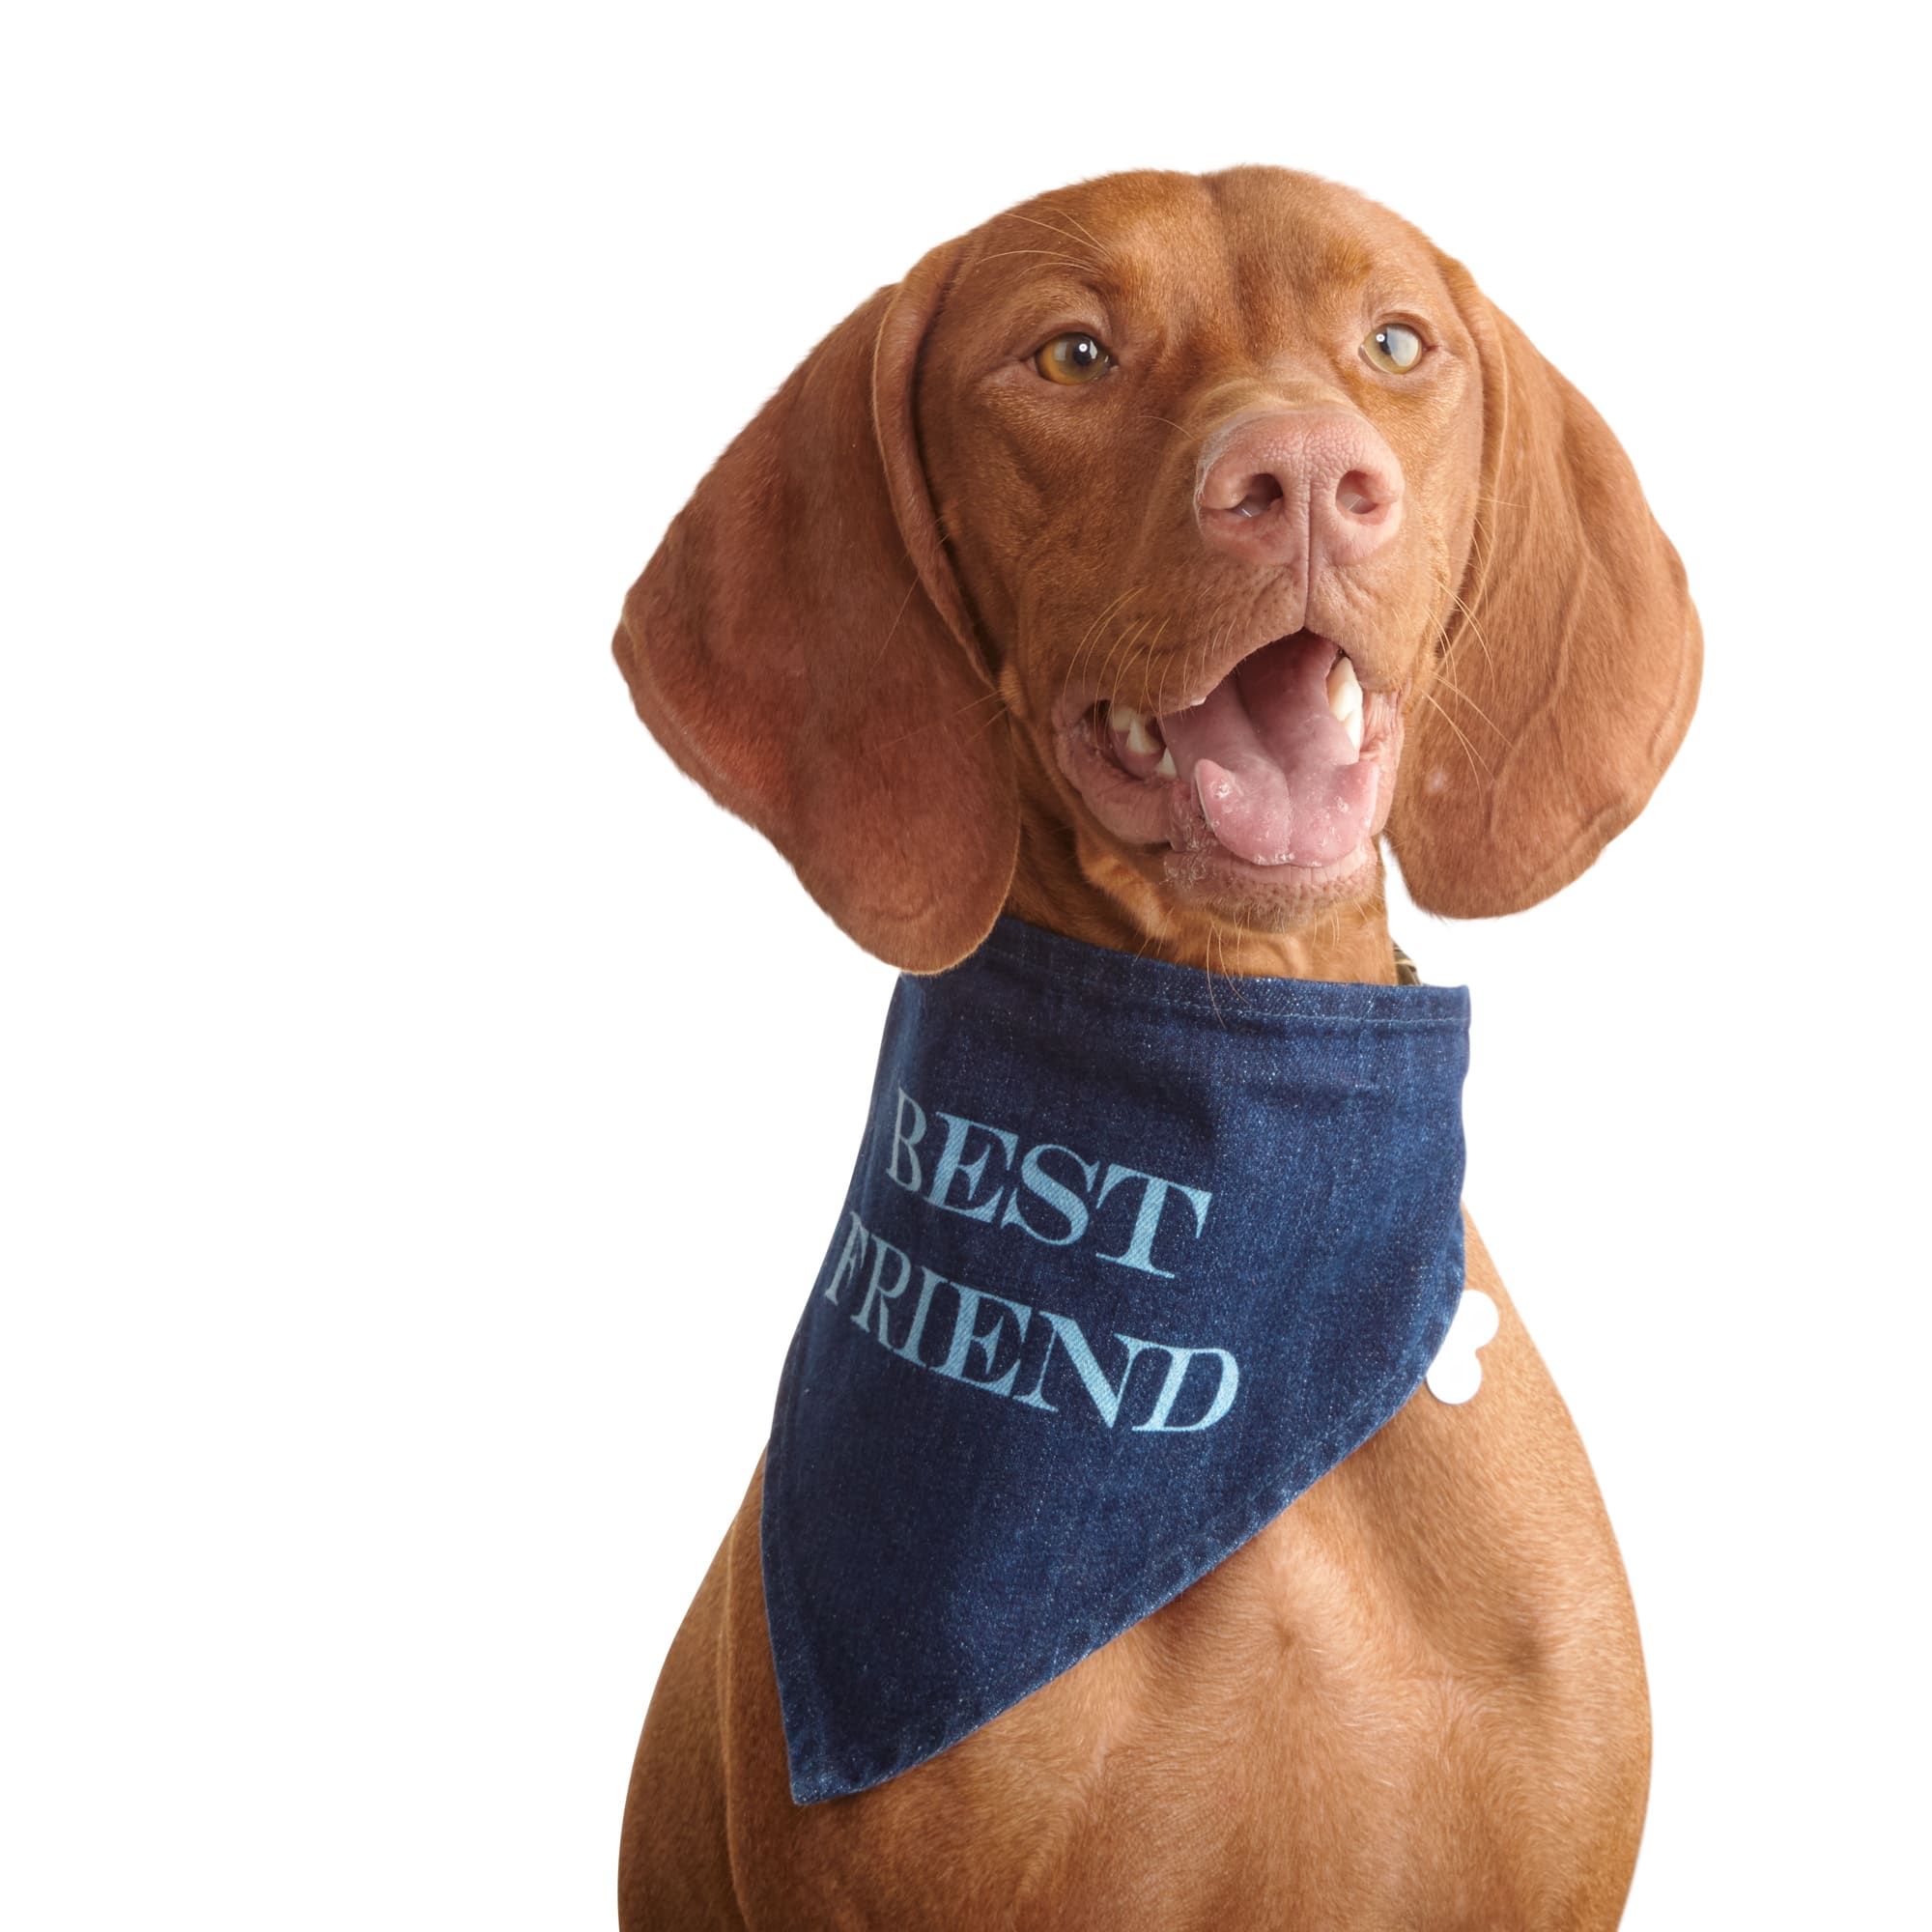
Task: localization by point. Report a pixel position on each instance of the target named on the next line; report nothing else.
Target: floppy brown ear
(800, 648)
(1570, 672)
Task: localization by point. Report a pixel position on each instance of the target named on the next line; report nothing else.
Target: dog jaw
(1263, 791)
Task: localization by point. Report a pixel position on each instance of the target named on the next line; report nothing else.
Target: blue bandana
(1132, 1255)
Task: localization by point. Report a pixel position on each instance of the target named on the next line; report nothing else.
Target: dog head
(1173, 539)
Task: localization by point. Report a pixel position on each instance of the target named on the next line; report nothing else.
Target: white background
(423, 1111)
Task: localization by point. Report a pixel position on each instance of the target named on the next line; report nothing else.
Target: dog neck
(1089, 893)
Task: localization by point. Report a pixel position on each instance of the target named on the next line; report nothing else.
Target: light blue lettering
(1139, 1251)
(965, 1338)
(1057, 1195)
(951, 1163)
(849, 1258)
(908, 1141)
(1106, 1396)
(876, 1293)
(1181, 1360)
(929, 1279)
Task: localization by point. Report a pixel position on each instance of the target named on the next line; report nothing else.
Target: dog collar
(1132, 1256)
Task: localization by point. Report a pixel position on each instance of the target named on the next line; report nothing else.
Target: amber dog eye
(1073, 359)
(1394, 347)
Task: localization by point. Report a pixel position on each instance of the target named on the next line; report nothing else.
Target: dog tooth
(1345, 692)
(1167, 768)
(1352, 726)
(1138, 740)
(1120, 717)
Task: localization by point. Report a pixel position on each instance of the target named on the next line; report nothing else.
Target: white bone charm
(1456, 1375)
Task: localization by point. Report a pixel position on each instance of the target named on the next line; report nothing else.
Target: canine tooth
(1166, 769)
(1352, 726)
(1133, 727)
(1345, 692)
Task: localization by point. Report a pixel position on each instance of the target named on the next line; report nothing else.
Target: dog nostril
(1357, 494)
(1261, 491)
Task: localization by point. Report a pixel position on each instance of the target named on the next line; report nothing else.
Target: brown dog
(956, 622)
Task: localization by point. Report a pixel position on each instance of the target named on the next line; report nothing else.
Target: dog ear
(798, 645)
(1567, 681)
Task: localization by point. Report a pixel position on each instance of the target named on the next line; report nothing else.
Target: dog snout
(1305, 489)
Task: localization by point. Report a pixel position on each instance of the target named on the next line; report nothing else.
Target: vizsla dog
(1137, 479)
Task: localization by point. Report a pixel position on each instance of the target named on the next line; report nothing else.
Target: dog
(952, 623)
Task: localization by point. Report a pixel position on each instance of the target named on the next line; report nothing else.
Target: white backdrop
(389, 1031)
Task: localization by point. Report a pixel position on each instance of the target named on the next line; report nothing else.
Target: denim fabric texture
(1132, 1255)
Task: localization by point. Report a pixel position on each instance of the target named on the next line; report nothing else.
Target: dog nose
(1315, 488)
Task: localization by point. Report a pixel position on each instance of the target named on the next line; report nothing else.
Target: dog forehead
(1254, 255)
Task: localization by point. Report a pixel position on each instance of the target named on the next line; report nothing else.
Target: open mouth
(1287, 764)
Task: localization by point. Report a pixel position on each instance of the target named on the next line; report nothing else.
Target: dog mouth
(1285, 766)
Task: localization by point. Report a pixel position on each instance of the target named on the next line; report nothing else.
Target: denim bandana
(1132, 1255)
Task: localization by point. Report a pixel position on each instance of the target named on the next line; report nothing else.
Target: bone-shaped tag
(1456, 1375)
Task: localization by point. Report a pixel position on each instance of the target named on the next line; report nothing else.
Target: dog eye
(1394, 347)
(1075, 357)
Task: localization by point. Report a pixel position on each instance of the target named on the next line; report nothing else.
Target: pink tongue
(1272, 767)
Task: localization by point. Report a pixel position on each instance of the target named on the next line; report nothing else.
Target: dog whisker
(1475, 760)
(1052, 208)
(1005, 254)
(1052, 228)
